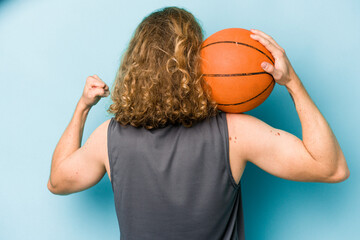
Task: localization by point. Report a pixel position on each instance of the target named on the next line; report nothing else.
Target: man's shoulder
(99, 137)
(101, 130)
(244, 127)
(237, 120)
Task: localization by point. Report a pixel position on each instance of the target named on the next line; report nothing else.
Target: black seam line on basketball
(234, 74)
(247, 45)
(231, 104)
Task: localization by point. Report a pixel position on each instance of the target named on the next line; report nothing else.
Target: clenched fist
(94, 90)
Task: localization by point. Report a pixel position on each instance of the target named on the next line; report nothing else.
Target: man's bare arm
(317, 135)
(69, 142)
(75, 168)
(318, 157)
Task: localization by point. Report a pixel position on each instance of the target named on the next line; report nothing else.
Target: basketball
(231, 66)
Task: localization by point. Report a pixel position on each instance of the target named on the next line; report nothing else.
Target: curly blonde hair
(159, 80)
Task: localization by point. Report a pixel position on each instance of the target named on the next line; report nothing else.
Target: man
(129, 155)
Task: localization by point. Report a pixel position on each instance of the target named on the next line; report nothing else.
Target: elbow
(54, 189)
(340, 175)
(340, 172)
(51, 187)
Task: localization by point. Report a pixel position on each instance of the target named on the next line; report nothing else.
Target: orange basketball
(231, 64)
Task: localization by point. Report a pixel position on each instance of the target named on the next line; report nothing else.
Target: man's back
(175, 182)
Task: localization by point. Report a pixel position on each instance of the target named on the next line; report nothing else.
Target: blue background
(48, 48)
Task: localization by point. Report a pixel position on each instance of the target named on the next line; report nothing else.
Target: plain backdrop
(48, 48)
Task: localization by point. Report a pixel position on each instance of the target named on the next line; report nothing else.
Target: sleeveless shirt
(175, 182)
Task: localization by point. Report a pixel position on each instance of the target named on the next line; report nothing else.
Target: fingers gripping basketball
(268, 67)
(282, 71)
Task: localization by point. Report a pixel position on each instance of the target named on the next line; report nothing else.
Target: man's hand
(94, 89)
(282, 71)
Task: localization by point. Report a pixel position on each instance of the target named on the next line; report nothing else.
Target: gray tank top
(175, 183)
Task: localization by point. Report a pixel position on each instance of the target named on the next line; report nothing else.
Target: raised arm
(317, 158)
(74, 167)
